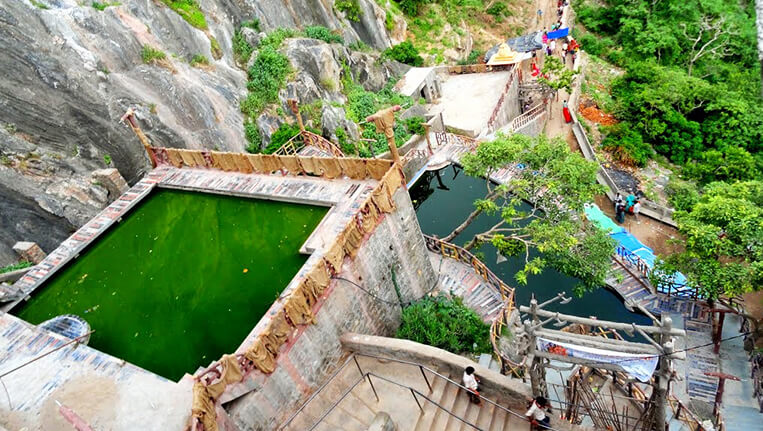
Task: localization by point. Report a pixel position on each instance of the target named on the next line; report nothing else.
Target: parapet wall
(394, 253)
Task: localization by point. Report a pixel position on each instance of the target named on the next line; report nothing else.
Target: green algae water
(182, 280)
(444, 199)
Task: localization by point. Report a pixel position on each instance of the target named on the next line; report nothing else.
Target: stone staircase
(356, 406)
(460, 279)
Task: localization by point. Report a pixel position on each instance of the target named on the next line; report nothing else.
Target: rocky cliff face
(70, 71)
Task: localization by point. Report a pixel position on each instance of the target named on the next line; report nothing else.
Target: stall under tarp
(557, 34)
(527, 43)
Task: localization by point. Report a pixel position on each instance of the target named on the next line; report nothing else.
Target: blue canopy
(556, 34)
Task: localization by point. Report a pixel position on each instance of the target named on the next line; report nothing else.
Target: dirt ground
(652, 233)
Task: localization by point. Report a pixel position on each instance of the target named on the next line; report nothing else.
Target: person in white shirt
(471, 382)
(536, 414)
(636, 210)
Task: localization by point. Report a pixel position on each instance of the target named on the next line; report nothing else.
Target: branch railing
(665, 285)
(453, 251)
(305, 137)
(682, 413)
(367, 376)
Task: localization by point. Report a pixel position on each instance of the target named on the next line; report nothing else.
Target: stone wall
(396, 245)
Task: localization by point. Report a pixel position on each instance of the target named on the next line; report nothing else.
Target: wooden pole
(663, 377)
(129, 118)
(722, 377)
(294, 106)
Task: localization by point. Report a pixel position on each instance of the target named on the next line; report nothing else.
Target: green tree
(557, 183)
(404, 52)
(555, 75)
(724, 240)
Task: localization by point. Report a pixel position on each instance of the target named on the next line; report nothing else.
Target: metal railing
(531, 114)
(499, 104)
(367, 376)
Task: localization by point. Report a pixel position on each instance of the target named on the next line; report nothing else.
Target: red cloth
(535, 70)
(567, 116)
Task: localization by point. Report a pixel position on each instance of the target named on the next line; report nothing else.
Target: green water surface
(182, 280)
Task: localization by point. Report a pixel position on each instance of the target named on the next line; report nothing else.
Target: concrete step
(514, 423)
(448, 402)
(438, 395)
(472, 414)
(498, 420)
(459, 409)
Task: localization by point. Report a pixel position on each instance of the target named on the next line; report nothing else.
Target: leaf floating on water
(246, 270)
(136, 335)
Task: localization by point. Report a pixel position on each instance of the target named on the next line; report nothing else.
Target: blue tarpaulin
(556, 34)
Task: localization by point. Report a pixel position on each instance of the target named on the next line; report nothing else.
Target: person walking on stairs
(471, 382)
(537, 416)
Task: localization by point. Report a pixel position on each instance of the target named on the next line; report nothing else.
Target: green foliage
(626, 145)
(555, 227)
(322, 33)
(344, 143)
(254, 24)
(190, 11)
(242, 49)
(214, 46)
(15, 266)
(102, 6)
(445, 323)
(107, 159)
(199, 59)
(39, 5)
(556, 75)
(415, 125)
(275, 38)
(151, 55)
(350, 8)
(475, 56)
(266, 77)
(498, 9)
(411, 7)
(253, 136)
(404, 52)
(682, 195)
(360, 46)
(694, 102)
(284, 132)
(724, 240)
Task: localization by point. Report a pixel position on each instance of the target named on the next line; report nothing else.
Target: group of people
(537, 407)
(631, 205)
(569, 45)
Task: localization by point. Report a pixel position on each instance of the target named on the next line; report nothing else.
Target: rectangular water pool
(182, 280)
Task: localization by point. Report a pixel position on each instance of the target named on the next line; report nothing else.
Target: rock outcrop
(71, 71)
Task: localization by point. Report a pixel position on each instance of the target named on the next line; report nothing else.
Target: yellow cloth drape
(330, 167)
(370, 216)
(335, 254)
(270, 163)
(353, 168)
(316, 282)
(377, 168)
(262, 358)
(256, 161)
(198, 158)
(187, 156)
(291, 163)
(228, 163)
(297, 308)
(352, 238)
(174, 156)
(310, 165)
(242, 163)
(203, 407)
(230, 373)
(217, 159)
(385, 122)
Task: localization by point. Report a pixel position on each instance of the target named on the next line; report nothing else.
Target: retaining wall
(315, 352)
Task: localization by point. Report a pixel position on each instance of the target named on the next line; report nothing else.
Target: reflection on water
(443, 199)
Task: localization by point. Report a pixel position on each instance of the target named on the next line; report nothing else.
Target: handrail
(689, 418)
(364, 376)
(531, 114)
(666, 287)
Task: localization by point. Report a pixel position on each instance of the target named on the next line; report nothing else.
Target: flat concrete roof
(411, 81)
(468, 100)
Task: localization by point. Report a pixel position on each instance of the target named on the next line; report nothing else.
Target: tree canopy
(724, 240)
(691, 86)
(557, 183)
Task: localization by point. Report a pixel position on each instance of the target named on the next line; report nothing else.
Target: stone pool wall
(314, 353)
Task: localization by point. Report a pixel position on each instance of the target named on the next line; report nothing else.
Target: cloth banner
(557, 34)
(640, 367)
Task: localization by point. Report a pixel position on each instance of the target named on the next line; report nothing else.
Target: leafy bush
(351, 9)
(730, 164)
(279, 137)
(474, 57)
(266, 76)
(151, 55)
(15, 266)
(411, 7)
(102, 6)
(241, 48)
(199, 59)
(445, 323)
(415, 125)
(253, 137)
(275, 38)
(498, 9)
(626, 145)
(404, 52)
(322, 33)
(254, 24)
(682, 195)
(190, 11)
(360, 46)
